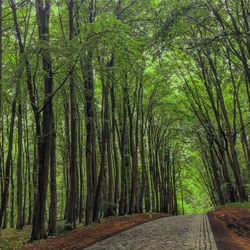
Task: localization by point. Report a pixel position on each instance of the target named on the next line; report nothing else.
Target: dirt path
(177, 233)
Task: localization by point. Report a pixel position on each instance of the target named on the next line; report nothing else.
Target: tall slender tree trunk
(144, 199)
(1, 100)
(19, 177)
(53, 186)
(104, 139)
(44, 141)
(133, 206)
(90, 140)
(151, 165)
(123, 146)
(28, 163)
(72, 204)
(90, 127)
(116, 163)
(12, 201)
(81, 173)
(66, 150)
(25, 173)
(109, 152)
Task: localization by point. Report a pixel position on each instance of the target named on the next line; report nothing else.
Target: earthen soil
(231, 227)
(88, 235)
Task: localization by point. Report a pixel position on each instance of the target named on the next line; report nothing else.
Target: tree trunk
(133, 206)
(72, 204)
(20, 222)
(116, 163)
(124, 166)
(44, 141)
(1, 103)
(90, 139)
(104, 139)
(81, 174)
(53, 188)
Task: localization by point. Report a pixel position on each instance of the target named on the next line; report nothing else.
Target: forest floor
(231, 226)
(81, 237)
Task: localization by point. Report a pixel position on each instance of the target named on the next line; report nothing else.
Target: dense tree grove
(120, 107)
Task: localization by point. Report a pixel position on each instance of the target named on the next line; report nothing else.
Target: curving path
(189, 232)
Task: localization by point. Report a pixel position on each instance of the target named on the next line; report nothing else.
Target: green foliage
(239, 204)
(185, 64)
(109, 209)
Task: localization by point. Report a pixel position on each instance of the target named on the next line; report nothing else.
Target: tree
(134, 106)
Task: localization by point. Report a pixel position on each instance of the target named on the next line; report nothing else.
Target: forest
(120, 107)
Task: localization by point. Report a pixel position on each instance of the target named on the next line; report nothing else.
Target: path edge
(221, 234)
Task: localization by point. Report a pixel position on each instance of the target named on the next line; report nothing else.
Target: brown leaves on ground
(85, 236)
(237, 220)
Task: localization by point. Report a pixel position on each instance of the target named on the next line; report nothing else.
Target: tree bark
(72, 204)
(116, 163)
(20, 222)
(53, 186)
(44, 141)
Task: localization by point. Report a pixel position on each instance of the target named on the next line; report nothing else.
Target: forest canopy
(115, 107)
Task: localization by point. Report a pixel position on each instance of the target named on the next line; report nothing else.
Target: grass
(14, 239)
(245, 204)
